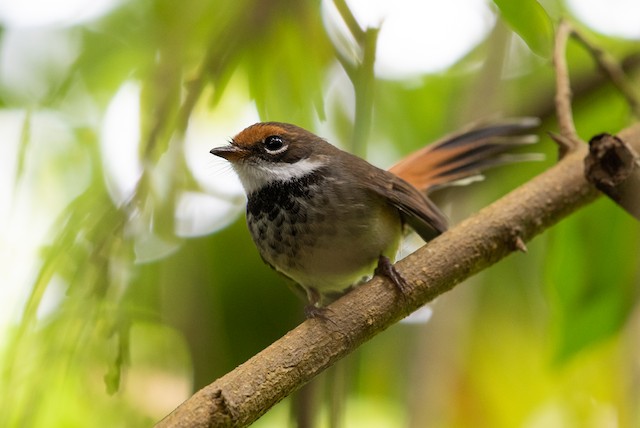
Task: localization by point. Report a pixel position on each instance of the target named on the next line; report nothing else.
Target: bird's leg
(313, 309)
(386, 268)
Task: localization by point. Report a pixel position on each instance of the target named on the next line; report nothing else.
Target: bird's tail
(461, 157)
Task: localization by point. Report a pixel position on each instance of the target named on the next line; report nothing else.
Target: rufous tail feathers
(463, 156)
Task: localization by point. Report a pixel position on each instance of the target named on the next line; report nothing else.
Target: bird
(327, 219)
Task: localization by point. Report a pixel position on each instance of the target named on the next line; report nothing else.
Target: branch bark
(244, 394)
(614, 168)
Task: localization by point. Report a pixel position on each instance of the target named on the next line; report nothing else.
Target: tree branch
(614, 168)
(244, 394)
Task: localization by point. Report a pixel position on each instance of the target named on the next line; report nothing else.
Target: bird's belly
(326, 252)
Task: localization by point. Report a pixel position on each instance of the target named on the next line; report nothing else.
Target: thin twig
(612, 69)
(361, 75)
(571, 141)
(347, 16)
(364, 88)
(582, 87)
(560, 139)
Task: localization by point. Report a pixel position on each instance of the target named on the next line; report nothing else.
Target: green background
(544, 339)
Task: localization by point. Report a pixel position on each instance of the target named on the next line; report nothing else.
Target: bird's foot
(312, 311)
(386, 268)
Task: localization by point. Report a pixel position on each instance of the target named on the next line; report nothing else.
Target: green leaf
(591, 276)
(529, 19)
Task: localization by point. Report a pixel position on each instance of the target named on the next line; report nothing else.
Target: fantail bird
(325, 218)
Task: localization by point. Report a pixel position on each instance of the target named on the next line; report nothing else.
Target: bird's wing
(416, 209)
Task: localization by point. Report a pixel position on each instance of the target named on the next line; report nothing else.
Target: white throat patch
(254, 176)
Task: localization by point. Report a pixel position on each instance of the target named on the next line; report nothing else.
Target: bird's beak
(231, 152)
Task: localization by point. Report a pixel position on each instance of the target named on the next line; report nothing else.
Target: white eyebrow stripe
(254, 177)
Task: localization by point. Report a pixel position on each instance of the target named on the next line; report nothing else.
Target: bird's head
(271, 151)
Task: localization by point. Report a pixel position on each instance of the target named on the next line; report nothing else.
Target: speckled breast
(285, 216)
(320, 232)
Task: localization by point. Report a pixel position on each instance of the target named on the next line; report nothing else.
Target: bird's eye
(274, 144)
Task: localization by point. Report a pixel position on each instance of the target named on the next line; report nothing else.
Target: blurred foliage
(587, 312)
(549, 338)
(529, 19)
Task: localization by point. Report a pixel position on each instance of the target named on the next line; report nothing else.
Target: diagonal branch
(244, 394)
